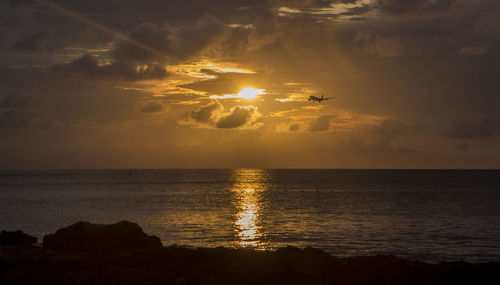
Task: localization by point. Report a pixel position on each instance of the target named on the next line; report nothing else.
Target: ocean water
(426, 215)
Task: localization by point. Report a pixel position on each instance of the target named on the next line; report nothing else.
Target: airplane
(318, 99)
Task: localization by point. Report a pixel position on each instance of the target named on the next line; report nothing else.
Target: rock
(171, 265)
(87, 237)
(16, 238)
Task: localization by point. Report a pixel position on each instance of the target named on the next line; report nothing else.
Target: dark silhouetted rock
(117, 264)
(84, 236)
(170, 265)
(16, 238)
(173, 265)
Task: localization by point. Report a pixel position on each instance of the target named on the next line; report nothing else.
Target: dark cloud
(322, 123)
(462, 147)
(472, 50)
(484, 128)
(191, 39)
(151, 107)
(134, 33)
(379, 146)
(294, 127)
(153, 36)
(386, 146)
(380, 45)
(345, 1)
(406, 6)
(168, 43)
(386, 136)
(16, 101)
(239, 116)
(237, 41)
(29, 43)
(356, 11)
(391, 129)
(303, 3)
(178, 11)
(14, 119)
(465, 27)
(88, 66)
(19, 112)
(136, 71)
(148, 47)
(206, 114)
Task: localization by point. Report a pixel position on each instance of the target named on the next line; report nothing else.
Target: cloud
(387, 146)
(223, 83)
(156, 37)
(207, 113)
(146, 50)
(151, 107)
(472, 50)
(352, 9)
(385, 138)
(240, 116)
(29, 43)
(175, 43)
(305, 3)
(379, 146)
(484, 128)
(88, 66)
(294, 127)
(462, 147)
(341, 10)
(140, 53)
(408, 6)
(14, 119)
(321, 123)
(18, 112)
(391, 129)
(192, 39)
(381, 46)
(213, 115)
(15, 101)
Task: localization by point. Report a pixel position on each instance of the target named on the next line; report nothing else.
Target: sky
(224, 84)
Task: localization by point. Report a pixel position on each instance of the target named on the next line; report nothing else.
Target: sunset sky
(224, 84)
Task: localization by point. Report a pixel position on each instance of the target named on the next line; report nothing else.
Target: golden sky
(224, 84)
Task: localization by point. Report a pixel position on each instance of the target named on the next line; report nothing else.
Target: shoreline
(179, 265)
(122, 253)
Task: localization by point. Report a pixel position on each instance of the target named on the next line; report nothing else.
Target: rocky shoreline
(122, 253)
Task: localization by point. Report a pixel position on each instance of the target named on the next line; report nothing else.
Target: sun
(249, 93)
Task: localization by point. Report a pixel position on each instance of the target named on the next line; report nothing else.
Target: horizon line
(235, 168)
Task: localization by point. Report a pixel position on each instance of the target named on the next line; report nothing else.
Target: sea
(424, 215)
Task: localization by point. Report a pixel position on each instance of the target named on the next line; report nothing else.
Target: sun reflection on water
(248, 187)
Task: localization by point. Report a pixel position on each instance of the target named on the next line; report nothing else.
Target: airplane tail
(321, 96)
